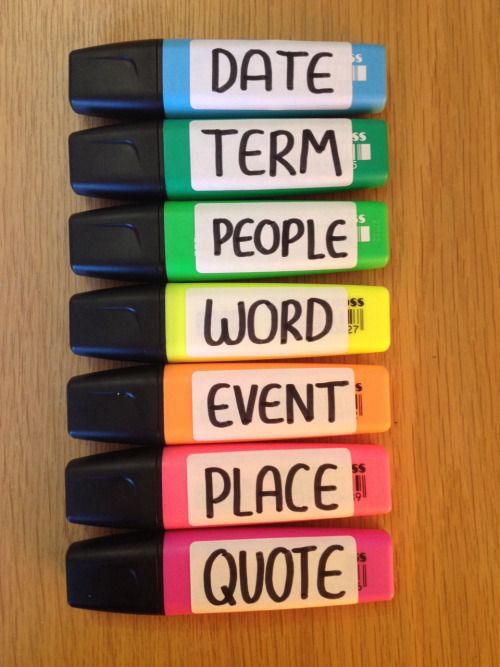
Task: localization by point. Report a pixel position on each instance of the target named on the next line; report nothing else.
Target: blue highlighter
(200, 78)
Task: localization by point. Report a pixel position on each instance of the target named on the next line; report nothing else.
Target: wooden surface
(442, 183)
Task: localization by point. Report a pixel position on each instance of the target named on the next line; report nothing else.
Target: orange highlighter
(228, 402)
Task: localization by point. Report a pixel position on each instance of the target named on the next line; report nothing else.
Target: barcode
(362, 576)
(364, 234)
(355, 319)
(359, 404)
(359, 72)
(361, 152)
(359, 486)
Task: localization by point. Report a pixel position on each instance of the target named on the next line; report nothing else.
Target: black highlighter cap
(119, 242)
(118, 161)
(119, 323)
(122, 573)
(117, 80)
(122, 405)
(120, 489)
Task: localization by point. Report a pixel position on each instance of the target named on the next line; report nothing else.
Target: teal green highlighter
(183, 241)
(238, 158)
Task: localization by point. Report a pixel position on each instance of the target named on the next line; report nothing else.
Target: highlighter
(189, 486)
(196, 241)
(219, 77)
(205, 321)
(216, 570)
(228, 159)
(193, 403)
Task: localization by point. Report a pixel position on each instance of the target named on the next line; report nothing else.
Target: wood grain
(441, 194)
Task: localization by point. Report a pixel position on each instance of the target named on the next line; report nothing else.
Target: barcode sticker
(361, 152)
(359, 73)
(359, 486)
(362, 573)
(355, 320)
(364, 235)
(358, 398)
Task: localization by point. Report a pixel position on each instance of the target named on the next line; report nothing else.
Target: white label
(267, 322)
(273, 573)
(255, 237)
(271, 154)
(272, 403)
(268, 485)
(271, 74)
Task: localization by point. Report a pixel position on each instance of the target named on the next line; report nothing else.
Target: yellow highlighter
(229, 321)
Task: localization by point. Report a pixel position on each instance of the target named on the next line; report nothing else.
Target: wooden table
(440, 193)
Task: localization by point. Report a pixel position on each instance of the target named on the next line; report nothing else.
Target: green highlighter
(228, 159)
(186, 241)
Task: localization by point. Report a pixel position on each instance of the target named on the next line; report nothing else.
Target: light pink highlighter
(268, 483)
(224, 485)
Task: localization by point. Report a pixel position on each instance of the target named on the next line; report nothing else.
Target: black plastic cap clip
(118, 161)
(117, 80)
(122, 573)
(120, 489)
(123, 405)
(119, 242)
(119, 323)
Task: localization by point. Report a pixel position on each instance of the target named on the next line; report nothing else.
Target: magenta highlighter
(220, 485)
(217, 570)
